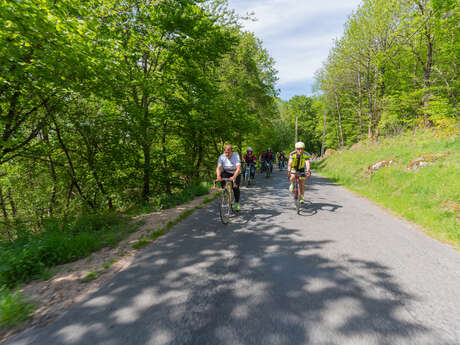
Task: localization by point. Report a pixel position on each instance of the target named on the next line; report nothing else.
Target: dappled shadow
(261, 283)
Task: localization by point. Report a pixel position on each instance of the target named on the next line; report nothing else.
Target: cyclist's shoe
(291, 187)
(236, 207)
(301, 200)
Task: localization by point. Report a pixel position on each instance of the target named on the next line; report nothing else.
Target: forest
(108, 104)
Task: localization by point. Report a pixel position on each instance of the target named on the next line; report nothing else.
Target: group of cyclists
(229, 167)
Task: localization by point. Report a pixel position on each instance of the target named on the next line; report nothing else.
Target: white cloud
(297, 34)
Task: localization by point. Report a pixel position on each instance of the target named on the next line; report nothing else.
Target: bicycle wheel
(297, 197)
(225, 206)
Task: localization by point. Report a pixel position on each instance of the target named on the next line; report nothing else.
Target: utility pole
(295, 139)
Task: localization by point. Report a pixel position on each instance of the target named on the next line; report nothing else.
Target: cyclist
(268, 159)
(250, 160)
(229, 166)
(281, 160)
(262, 161)
(298, 161)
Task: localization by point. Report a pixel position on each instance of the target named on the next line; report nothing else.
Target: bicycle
(226, 201)
(247, 174)
(281, 164)
(297, 190)
(268, 168)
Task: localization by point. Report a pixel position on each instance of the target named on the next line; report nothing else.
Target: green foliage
(142, 242)
(109, 263)
(13, 308)
(90, 276)
(393, 69)
(429, 196)
(61, 242)
(164, 201)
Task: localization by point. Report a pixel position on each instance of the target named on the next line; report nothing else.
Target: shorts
(301, 177)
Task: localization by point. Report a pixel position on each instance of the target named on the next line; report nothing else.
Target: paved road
(342, 272)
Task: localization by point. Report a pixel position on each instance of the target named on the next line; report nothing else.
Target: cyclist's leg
(236, 188)
(302, 186)
(244, 169)
(253, 170)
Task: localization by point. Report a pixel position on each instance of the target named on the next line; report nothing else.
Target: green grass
(90, 276)
(32, 257)
(429, 196)
(13, 308)
(109, 263)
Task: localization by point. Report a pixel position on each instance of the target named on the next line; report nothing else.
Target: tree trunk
(12, 204)
(146, 188)
(72, 172)
(342, 144)
(324, 133)
(52, 173)
(427, 76)
(5, 215)
(369, 96)
(360, 104)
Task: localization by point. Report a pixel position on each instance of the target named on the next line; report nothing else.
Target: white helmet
(300, 145)
(249, 149)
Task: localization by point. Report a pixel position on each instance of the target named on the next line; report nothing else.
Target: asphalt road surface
(342, 272)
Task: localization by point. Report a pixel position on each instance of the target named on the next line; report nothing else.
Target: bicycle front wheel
(225, 206)
(297, 198)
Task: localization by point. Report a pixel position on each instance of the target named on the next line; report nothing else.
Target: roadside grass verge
(13, 308)
(31, 257)
(428, 196)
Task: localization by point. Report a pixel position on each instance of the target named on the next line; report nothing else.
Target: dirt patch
(379, 165)
(329, 152)
(452, 206)
(425, 160)
(74, 281)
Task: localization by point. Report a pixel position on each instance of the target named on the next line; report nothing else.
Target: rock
(379, 165)
(425, 160)
(356, 146)
(329, 152)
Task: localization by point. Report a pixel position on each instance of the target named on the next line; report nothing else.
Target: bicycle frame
(298, 189)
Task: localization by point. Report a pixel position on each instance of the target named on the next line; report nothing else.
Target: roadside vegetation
(428, 195)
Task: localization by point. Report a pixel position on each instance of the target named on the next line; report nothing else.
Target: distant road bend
(343, 272)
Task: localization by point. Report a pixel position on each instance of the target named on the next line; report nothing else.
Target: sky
(298, 35)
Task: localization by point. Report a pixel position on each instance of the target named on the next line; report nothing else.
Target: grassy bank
(428, 196)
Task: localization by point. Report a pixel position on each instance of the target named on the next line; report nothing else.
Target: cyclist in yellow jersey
(299, 161)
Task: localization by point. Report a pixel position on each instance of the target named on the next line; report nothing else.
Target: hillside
(419, 178)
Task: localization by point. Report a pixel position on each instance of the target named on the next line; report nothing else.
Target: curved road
(343, 272)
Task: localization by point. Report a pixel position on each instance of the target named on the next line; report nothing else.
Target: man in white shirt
(229, 166)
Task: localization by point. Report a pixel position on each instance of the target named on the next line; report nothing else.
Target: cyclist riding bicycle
(268, 158)
(281, 160)
(262, 162)
(298, 161)
(229, 166)
(250, 160)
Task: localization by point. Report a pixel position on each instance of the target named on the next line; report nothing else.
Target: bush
(13, 309)
(26, 258)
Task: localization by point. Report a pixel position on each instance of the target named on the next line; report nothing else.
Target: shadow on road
(261, 283)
